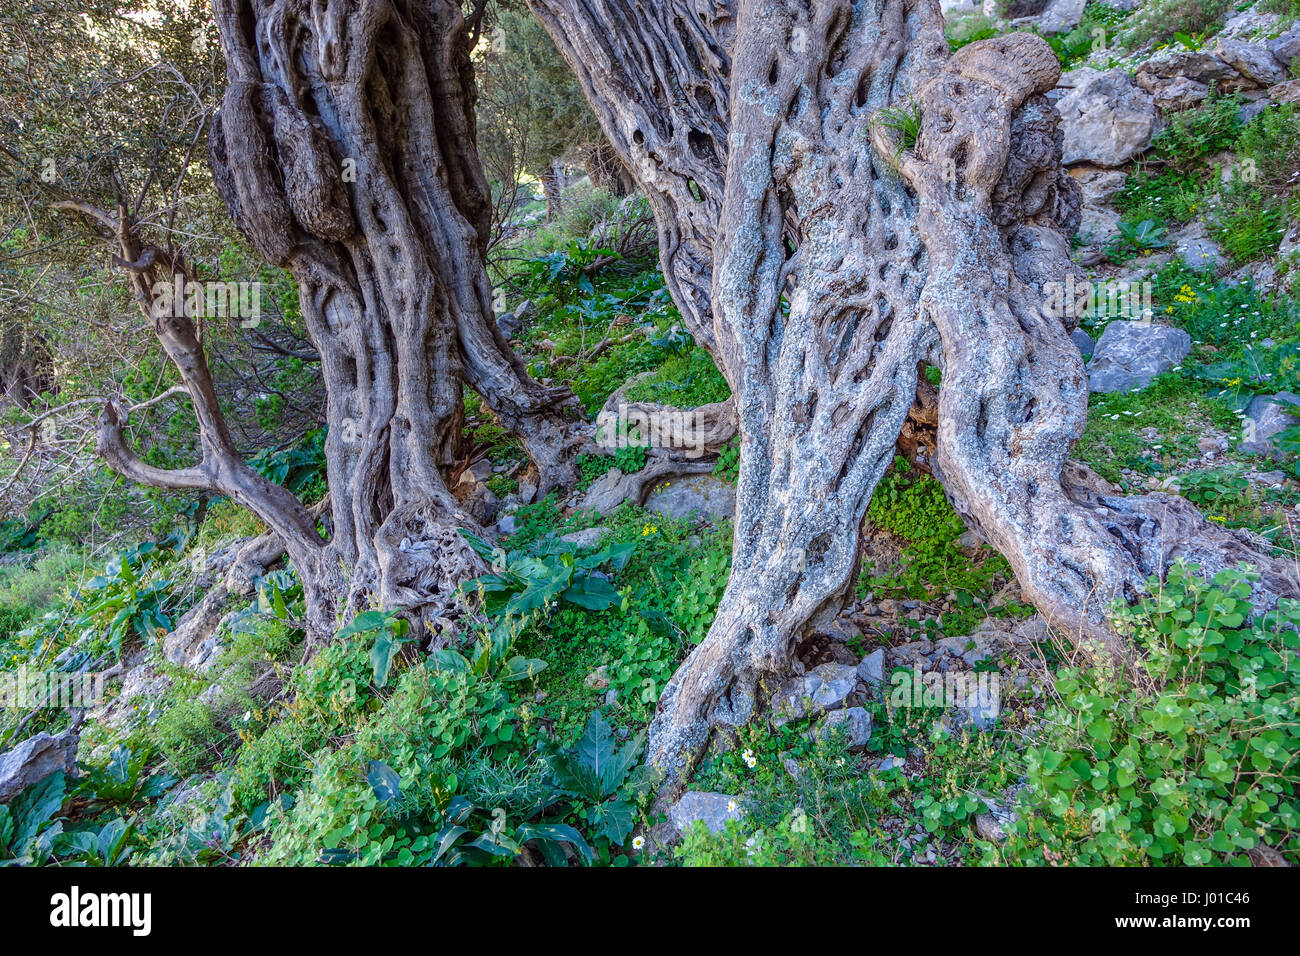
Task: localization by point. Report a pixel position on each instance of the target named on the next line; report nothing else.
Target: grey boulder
(1130, 354)
(35, 759)
(1106, 119)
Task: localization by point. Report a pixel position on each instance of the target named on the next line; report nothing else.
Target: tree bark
(551, 192)
(823, 260)
(345, 150)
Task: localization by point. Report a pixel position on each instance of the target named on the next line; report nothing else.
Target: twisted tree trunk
(345, 151)
(822, 256)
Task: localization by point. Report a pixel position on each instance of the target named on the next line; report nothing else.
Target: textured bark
(1014, 397)
(551, 192)
(345, 150)
(755, 129)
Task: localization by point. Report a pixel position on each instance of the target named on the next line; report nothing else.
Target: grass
(1176, 407)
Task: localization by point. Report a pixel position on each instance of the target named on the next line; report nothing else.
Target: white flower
(750, 760)
(839, 762)
(732, 807)
(638, 842)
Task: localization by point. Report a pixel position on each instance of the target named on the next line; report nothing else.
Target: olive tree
(840, 201)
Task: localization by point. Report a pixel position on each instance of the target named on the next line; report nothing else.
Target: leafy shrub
(1257, 370)
(728, 465)
(1161, 20)
(686, 380)
(1194, 765)
(1194, 134)
(1169, 194)
(1250, 225)
(186, 733)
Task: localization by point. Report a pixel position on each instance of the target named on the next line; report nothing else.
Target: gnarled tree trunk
(345, 150)
(822, 258)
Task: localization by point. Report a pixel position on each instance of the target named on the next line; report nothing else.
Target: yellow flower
(649, 529)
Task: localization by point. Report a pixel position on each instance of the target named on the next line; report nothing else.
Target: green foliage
(387, 631)
(1168, 194)
(28, 824)
(187, 734)
(1090, 36)
(1161, 21)
(932, 563)
(1192, 765)
(1136, 239)
(1116, 438)
(1223, 314)
(300, 468)
(629, 459)
(526, 583)
(561, 274)
(904, 122)
(793, 841)
(129, 600)
(123, 780)
(687, 379)
(1257, 370)
(604, 779)
(1250, 225)
(696, 605)
(1192, 135)
(728, 464)
(962, 30)
(28, 593)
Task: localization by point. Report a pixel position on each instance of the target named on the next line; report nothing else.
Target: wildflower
(649, 530)
(732, 806)
(638, 842)
(839, 762)
(750, 760)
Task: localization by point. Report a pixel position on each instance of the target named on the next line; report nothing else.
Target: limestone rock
(1251, 60)
(707, 495)
(35, 759)
(1265, 417)
(1084, 341)
(1107, 120)
(871, 670)
(1130, 354)
(853, 724)
(822, 689)
(715, 809)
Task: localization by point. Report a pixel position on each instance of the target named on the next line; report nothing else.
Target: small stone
(1130, 354)
(821, 689)
(597, 679)
(853, 723)
(715, 809)
(988, 828)
(35, 759)
(1084, 342)
(1107, 119)
(1266, 416)
(586, 538)
(872, 667)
